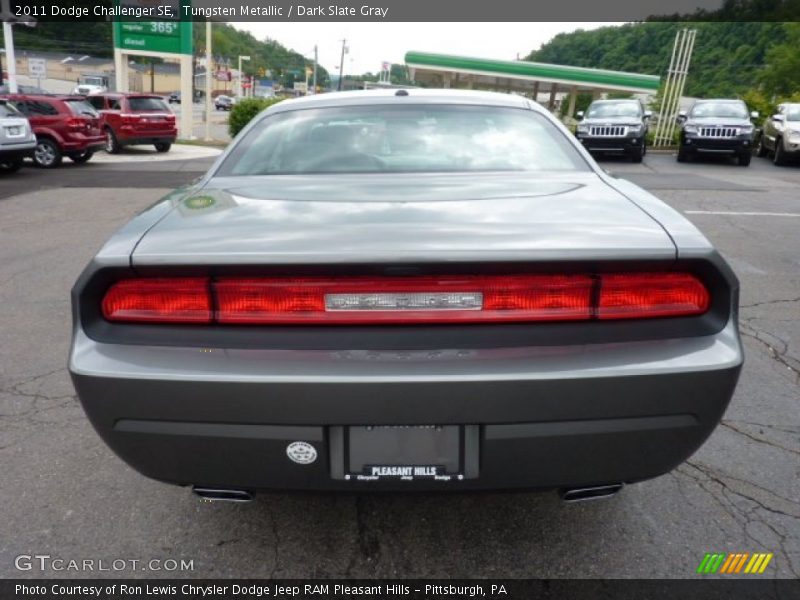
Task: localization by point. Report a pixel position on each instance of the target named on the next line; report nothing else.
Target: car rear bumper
(17, 150)
(543, 417)
(84, 143)
(156, 137)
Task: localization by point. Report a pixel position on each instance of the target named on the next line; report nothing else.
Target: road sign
(172, 36)
(37, 68)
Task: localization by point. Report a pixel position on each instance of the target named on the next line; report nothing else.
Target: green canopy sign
(173, 36)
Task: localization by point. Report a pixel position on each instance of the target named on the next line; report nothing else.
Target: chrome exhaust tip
(220, 495)
(570, 495)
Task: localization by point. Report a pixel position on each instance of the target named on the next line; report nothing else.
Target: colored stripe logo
(734, 563)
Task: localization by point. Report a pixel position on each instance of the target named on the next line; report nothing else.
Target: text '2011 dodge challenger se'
(406, 290)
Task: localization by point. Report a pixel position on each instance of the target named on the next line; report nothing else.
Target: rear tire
(761, 149)
(12, 165)
(112, 144)
(163, 147)
(82, 157)
(47, 154)
(744, 159)
(779, 157)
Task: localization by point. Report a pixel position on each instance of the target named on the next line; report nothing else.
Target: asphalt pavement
(64, 494)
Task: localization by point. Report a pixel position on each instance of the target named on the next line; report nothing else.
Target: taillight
(406, 300)
(167, 300)
(465, 299)
(130, 119)
(642, 295)
(76, 124)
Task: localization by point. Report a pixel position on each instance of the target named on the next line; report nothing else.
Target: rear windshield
(81, 108)
(147, 104)
(731, 110)
(614, 109)
(414, 138)
(7, 110)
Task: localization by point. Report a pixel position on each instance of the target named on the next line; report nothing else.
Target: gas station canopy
(443, 70)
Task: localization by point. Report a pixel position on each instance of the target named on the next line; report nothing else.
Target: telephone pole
(341, 65)
(314, 80)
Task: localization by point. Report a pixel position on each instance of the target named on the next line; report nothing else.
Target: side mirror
(579, 115)
(648, 114)
(778, 118)
(681, 116)
(754, 114)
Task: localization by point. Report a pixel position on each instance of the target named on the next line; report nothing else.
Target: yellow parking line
(765, 563)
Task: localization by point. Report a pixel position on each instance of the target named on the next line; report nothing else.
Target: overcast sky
(372, 43)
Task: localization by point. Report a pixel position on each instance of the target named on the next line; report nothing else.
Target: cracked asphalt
(64, 494)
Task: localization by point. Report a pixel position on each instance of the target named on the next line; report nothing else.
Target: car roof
(406, 96)
(125, 95)
(46, 96)
(719, 100)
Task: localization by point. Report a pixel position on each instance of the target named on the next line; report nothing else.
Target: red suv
(64, 126)
(130, 119)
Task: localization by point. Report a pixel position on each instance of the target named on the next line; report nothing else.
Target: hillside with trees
(95, 39)
(729, 58)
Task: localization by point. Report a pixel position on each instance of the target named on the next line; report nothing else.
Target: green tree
(781, 75)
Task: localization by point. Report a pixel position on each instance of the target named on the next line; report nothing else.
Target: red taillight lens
(185, 300)
(76, 124)
(464, 299)
(131, 119)
(643, 295)
(406, 300)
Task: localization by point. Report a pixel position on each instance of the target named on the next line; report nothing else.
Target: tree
(781, 75)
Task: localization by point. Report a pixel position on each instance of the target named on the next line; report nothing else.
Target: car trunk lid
(401, 218)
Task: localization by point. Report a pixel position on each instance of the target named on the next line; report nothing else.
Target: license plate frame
(404, 452)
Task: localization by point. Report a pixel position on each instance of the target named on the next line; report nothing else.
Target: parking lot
(64, 493)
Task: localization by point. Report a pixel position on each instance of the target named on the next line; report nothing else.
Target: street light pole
(341, 65)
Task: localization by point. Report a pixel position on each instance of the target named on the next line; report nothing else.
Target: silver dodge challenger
(406, 290)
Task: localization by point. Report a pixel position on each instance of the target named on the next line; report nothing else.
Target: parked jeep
(717, 127)
(780, 135)
(614, 127)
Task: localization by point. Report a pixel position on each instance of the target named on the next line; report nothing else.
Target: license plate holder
(413, 452)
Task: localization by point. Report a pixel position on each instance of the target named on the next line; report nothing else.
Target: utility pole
(341, 65)
(11, 60)
(8, 36)
(208, 80)
(314, 80)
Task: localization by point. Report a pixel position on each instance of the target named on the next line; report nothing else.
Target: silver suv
(780, 135)
(16, 138)
(614, 127)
